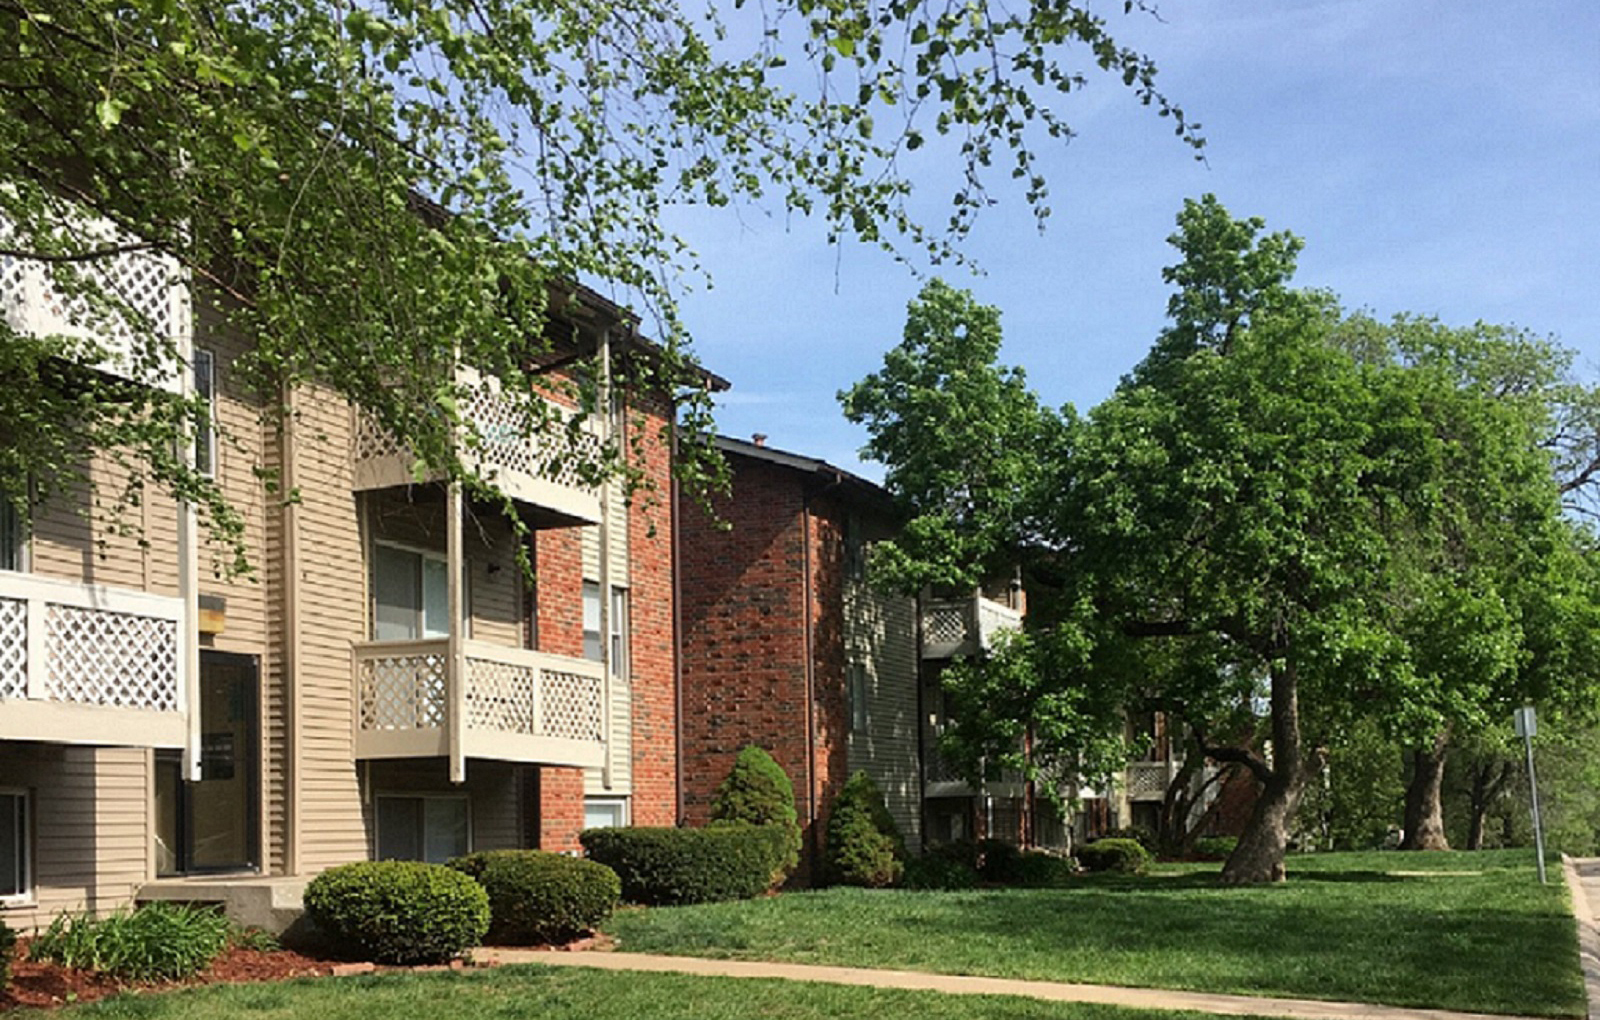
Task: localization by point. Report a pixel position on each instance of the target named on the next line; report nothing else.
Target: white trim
(27, 897)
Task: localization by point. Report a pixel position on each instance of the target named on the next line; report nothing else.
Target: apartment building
(386, 684)
(786, 645)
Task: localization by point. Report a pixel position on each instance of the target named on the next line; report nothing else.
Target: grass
(1465, 931)
(551, 994)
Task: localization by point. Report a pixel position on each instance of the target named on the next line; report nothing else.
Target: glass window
(858, 696)
(619, 632)
(16, 881)
(410, 595)
(604, 814)
(205, 386)
(430, 828)
(591, 620)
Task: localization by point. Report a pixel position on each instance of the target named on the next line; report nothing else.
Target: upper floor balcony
(1148, 780)
(492, 701)
(147, 307)
(90, 664)
(540, 471)
(954, 627)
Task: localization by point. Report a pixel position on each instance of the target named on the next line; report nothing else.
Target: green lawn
(1476, 932)
(550, 994)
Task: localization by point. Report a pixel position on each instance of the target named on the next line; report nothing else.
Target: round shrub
(1138, 833)
(864, 844)
(1121, 855)
(758, 791)
(399, 912)
(537, 897)
(1215, 848)
(1037, 869)
(936, 871)
(998, 861)
(662, 866)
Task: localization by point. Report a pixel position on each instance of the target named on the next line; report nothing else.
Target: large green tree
(376, 192)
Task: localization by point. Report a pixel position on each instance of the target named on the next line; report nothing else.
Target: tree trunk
(1424, 805)
(1259, 856)
(1487, 784)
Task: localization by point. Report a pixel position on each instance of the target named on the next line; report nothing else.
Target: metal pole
(1538, 824)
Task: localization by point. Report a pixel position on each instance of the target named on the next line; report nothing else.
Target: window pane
(435, 599)
(591, 620)
(205, 444)
(444, 827)
(13, 845)
(602, 814)
(10, 535)
(619, 631)
(399, 829)
(394, 594)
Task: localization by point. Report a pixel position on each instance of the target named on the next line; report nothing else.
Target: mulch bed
(47, 985)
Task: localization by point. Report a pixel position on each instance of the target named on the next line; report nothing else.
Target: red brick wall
(745, 641)
(650, 604)
(560, 807)
(558, 566)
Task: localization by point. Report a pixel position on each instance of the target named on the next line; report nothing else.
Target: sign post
(1527, 724)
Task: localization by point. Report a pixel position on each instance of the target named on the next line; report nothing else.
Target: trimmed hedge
(939, 871)
(537, 897)
(1215, 848)
(8, 946)
(758, 791)
(401, 912)
(864, 844)
(1122, 855)
(664, 866)
(1038, 869)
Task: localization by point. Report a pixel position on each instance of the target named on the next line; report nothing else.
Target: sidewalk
(1144, 998)
(1583, 883)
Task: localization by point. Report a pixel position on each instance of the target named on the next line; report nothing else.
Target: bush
(1037, 869)
(997, 861)
(758, 791)
(159, 941)
(864, 844)
(8, 946)
(1215, 848)
(661, 866)
(398, 911)
(1138, 833)
(537, 897)
(939, 871)
(1111, 854)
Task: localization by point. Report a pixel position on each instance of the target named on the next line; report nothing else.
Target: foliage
(1138, 833)
(939, 870)
(156, 942)
(537, 897)
(757, 791)
(662, 866)
(374, 194)
(8, 946)
(1476, 932)
(864, 845)
(1215, 848)
(1040, 869)
(1356, 804)
(1127, 856)
(962, 440)
(401, 912)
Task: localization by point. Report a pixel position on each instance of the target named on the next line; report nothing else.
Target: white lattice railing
(148, 310)
(76, 644)
(534, 461)
(964, 626)
(407, 685)
(1148, 780)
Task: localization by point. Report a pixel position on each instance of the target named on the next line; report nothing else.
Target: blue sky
(1438, 156)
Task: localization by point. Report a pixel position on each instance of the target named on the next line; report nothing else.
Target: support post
(456, 671)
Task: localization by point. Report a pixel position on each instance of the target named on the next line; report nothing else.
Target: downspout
(290, 670)
(811, 682)
(677, 623)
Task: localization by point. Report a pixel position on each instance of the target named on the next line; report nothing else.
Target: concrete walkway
(1583, 883)
(1144, 998)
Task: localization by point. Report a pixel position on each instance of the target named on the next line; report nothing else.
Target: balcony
(541, 474)
(954, 627)
(86, 664)
(503, 703)
(148, 285)
(1148, 780)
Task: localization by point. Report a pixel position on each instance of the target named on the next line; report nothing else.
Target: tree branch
(83, 256)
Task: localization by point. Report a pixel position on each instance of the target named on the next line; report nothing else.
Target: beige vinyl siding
(90, 821)
(330, 610)
(881, 635)
(620, 752)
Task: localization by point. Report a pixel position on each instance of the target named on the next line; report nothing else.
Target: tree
(1259, 517)
(758, 792)
(378, 193)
